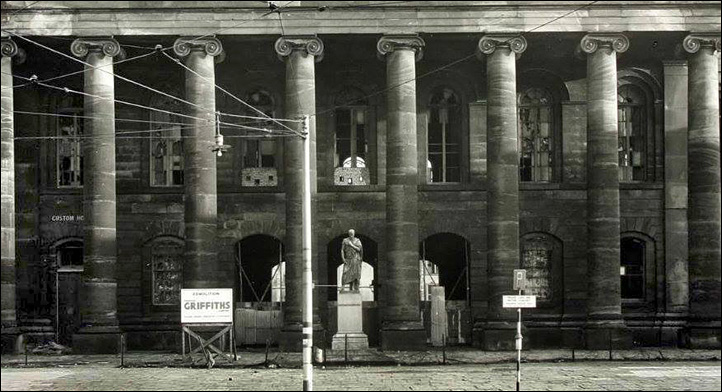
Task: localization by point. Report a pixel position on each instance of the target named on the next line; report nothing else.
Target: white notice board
(519, 301)
(206, 306)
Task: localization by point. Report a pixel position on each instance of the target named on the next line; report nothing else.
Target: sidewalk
(375, 357)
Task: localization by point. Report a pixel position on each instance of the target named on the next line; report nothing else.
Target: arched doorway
(369, 271)
(445, 262)
(257, 259)
(68, 284)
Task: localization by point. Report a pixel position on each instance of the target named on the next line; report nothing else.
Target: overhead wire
(69, 90)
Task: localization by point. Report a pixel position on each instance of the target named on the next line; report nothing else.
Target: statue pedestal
(350, 335)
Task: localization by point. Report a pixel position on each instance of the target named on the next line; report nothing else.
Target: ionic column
(704, 211)
(401, 326)
(503, 183)
(604, 303)
(676, 231)
(299, 53)
(200, 268)
(98, 301)
(9, 317)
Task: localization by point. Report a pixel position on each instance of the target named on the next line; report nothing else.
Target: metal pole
(518, 348)
(307, 273)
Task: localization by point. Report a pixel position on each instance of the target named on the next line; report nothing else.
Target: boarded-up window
(537, 259)
(167, 264)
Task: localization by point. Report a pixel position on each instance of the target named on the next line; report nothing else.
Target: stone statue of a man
(352, 254)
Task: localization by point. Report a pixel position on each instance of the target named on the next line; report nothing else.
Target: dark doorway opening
(256, 257)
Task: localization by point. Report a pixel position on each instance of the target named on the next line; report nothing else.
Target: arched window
(632, 264)
(166, 145)
(632, 127)
(536, 135)
(69, 148)
(444, 136)
(166, 262)
(536, 259)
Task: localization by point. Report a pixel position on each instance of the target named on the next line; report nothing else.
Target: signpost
(519, 302)
(208, 310)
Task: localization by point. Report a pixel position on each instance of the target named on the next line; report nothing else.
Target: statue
(352, 255)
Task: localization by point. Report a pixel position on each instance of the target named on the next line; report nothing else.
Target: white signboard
(206, 306)
(519, 301)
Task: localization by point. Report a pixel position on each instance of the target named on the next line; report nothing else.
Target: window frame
(79, 122)
(552, 131)
(644, 119)
(446, 129)
(269, 110)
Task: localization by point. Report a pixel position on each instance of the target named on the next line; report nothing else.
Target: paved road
(536, 376)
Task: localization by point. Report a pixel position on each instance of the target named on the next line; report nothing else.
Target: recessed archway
(256, 257)
(449, 254)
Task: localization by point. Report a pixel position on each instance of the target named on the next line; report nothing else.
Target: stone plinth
(350, 333)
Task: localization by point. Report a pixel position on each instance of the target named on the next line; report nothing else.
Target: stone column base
(498, 336)
(350, 341)
(12, 341)
(703, 336)
(291, 339)
(605, 338)
(97, 340)
(403, 336)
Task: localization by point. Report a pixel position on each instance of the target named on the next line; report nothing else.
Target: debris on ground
(51, 348)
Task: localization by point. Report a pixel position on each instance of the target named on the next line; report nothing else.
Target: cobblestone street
(536, 376)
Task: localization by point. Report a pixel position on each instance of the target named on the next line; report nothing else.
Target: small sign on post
(519, 302)
(519, 279)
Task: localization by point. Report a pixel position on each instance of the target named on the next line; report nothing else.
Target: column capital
(11, 49)
(183, 46)
(390, 43)
(489, 43)
(108, 46)
(310, 44)
(695, 41)
(614, 41)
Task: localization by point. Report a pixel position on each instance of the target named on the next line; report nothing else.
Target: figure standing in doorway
(352, 255)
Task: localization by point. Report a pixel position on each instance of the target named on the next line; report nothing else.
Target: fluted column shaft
(98, 305)
(704, 212)
(201, 268)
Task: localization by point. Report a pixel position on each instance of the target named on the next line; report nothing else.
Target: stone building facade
(577, 140)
